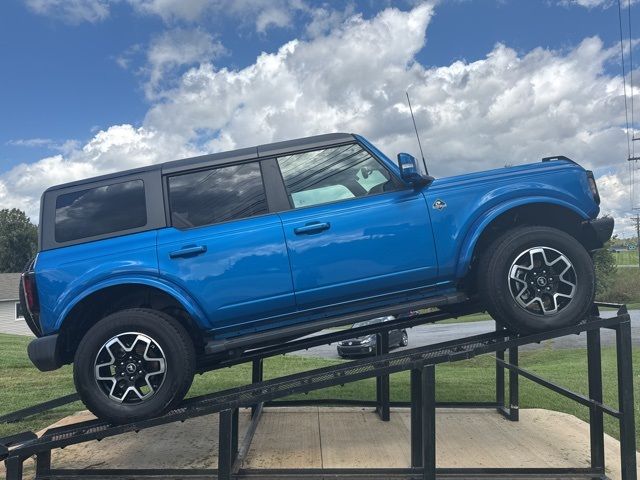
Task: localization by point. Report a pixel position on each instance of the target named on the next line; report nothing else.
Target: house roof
(9, 284)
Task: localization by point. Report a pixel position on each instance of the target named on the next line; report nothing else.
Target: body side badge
(439, 204)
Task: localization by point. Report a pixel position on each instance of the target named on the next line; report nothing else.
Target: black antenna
(426, 170)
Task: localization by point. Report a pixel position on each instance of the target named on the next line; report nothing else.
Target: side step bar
(286, 333)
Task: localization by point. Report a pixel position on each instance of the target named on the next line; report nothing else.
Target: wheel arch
(543, 211)
(119, 294)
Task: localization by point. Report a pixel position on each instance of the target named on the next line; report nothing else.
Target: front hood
(516, 171)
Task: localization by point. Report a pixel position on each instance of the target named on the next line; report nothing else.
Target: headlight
(593, 187)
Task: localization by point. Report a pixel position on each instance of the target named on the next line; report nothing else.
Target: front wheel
(536, 278)
(133, 364)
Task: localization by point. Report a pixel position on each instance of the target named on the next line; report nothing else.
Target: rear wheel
(536, 278)
(134, 364)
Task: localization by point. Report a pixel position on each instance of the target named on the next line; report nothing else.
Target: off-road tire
(175, 343)
(493, 279)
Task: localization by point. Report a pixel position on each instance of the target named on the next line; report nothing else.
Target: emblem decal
(439, 205)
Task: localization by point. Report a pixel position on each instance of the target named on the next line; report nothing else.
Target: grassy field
(626, 258)
(21, 385)
(476, 317)
(630, 306)
(623, 287)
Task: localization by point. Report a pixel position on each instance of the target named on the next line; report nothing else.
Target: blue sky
(84, 81)
(62, 81)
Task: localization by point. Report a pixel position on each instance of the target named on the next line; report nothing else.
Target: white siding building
(11, 320)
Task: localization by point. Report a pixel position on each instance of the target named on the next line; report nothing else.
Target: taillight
(593, 187)
(30, 292)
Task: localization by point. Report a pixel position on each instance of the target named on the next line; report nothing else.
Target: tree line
(18, 240)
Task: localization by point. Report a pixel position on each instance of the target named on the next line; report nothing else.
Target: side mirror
(409, 171)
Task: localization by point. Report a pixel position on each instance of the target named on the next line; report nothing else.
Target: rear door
(354, 231)
(224, 247)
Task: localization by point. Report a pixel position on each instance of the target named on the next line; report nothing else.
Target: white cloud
(178, 48)
(343, 80)
(65, 147)
(172, 9)
(262, 14)
(506, 108)
(116, 148)
(272, 17)
(587, 3)
(614, 187)
(72, 11)
(31, 142)
(502, 109)
(595, 3)
(125, 59)
(324, 19)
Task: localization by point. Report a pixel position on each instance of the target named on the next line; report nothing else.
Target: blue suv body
(203, 256)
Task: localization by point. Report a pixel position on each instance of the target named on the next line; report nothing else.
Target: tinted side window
(100, 210)
(336, 173)
(216, 195)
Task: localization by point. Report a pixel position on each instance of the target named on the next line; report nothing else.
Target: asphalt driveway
(436, 333)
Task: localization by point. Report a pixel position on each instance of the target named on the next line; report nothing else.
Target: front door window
(333, 174)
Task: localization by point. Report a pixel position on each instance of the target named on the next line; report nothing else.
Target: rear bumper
(602, 229)
(43, 353)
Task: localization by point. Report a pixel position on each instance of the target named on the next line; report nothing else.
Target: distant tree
(18, 240)
(605, 266)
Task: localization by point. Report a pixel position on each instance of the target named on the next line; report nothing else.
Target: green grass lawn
(21, 385)
(475, 317)
(629, 257)
(630, 306)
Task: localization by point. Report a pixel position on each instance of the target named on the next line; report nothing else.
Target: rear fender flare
(190, 306)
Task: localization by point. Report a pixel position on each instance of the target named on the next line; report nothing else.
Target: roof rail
(557, 157)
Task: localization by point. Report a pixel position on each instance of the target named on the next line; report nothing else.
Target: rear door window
(100, 211)
(217, 195)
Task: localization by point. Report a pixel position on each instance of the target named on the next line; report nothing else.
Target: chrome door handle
(312, 228)
(188, 251)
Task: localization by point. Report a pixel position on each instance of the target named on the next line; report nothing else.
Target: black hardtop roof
(259, 151)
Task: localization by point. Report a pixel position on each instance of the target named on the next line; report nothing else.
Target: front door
(354, 231)
(224, 248)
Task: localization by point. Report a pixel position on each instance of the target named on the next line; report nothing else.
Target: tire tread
(493, 291)
(185, 354)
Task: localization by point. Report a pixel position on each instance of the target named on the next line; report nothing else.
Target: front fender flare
(474, 232)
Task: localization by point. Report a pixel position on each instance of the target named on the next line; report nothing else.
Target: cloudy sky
(93, 86)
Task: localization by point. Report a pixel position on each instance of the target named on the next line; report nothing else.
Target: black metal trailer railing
(420, 361)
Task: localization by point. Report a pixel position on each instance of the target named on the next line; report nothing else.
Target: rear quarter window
(100, 211)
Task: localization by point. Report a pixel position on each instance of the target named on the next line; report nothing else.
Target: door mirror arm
(423, 181)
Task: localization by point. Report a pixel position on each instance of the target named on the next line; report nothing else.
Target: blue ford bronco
(142, 275)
